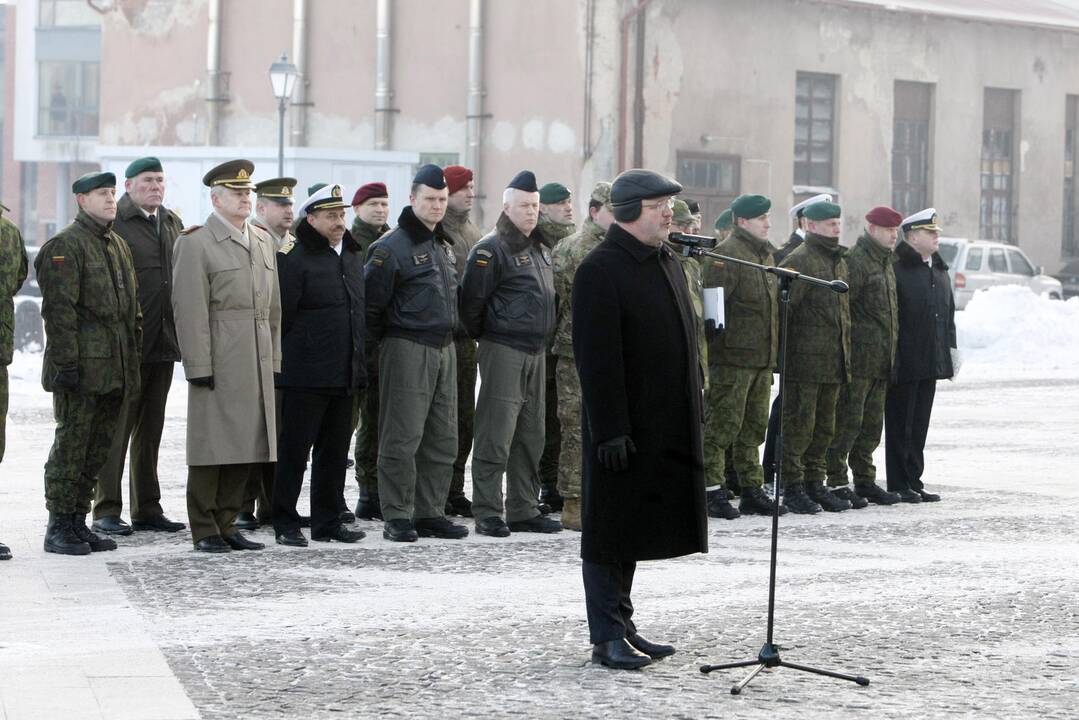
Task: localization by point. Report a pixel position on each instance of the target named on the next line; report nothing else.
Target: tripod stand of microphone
(768, 657)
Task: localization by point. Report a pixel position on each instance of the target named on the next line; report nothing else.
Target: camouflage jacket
(90, 308)
(464, 233)
(818, 330)
(568, 255)
(12, 274)
(365, 234)
(551, 232)
(695, 283)
(874, 315)
(750, 336)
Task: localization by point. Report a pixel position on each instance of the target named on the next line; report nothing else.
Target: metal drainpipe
(383, 75)
(298, 132)
(589, 42)
(474, 119)
(213, 73)
(623, 79)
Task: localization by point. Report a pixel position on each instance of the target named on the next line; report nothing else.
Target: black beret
(146, 164)
(524, 181)
(430, 175)
(750, 206)
(93, 181)
(632, 186)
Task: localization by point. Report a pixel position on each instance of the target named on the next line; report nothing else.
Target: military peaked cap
(235, 174)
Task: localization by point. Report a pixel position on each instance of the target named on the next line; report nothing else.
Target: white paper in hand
(713, 306)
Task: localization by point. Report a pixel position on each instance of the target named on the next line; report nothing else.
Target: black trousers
(770, 461)
(906, 423)
(322, 421)
(607, 588)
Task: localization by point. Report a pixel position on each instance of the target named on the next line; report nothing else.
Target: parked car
(29, 330)
(1069, 278)
(978, 264)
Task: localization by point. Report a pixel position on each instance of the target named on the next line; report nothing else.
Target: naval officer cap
(525, 181)
(278, 190)
(799, 210)
(144, 164)
(748, 207)
(430, 175)
(330, 197)
(725, 220)
(92, 181)
(235, 174)
(922, 220)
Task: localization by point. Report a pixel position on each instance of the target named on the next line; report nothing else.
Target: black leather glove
(67, 379)
(207, 382)
(614, 453)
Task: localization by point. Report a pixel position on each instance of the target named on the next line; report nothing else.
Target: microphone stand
(768, 657)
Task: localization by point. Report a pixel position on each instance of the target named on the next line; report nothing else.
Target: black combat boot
(5, 552)
(459, 505)
(368, 506)
(61, 538)
(819, 494)
(857, 502)
(550, 497)
(798, 502)
(720, 507)
(755, 501)
(95, 541)
(875, 494)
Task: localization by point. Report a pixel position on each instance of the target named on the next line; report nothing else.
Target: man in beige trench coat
(228, 311)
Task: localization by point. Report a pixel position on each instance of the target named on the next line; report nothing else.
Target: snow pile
(1009, 332)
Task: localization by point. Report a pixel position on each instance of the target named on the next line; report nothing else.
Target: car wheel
(29, 331)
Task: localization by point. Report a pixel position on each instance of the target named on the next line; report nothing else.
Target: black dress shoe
(112, 525)
(909, 496)
(399, 530)
(246, 521)
(928, 496)
(158, 522)
(538, 524)
(651, 649)
(340, 533)
(550, 497)
(237, 541)
(368, 506)
(212, 544)
(875, 494)
(857, 502)
(440, 528)
(5, 552)
(620, 655)
(493, 526)
(347, 516)
(292, 538)
(459, 505)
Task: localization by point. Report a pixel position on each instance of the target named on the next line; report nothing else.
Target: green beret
(750, 206)
(682, 215)
(822, 211)
(146, 164)
(312, 189)
(553, 193)
(725, 220)
(93, 181)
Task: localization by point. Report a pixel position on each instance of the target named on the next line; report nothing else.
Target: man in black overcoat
(635, 345)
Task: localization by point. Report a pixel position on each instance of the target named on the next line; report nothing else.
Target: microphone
(839, 286)
(696, 241)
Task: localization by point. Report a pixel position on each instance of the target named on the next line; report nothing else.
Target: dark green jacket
(818, 330)
(874, 322)
(464, 233)
(12, 275)
(551, 232)
(750, 336)
(89, 305)
(365, 234)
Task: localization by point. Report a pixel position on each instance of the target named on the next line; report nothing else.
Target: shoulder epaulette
(287, 247)
(189, 230)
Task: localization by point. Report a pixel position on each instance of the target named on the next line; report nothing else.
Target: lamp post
(282, 79)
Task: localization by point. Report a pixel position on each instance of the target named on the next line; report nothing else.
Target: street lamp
(282, 79)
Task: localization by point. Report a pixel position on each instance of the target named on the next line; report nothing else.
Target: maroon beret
(368, 191)
(884, 216)
(457, 176)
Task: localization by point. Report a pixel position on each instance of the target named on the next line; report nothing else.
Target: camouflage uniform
(741, 359)
(568, 255)
(818, 363)
(13, 269)
(93, 326)
(874, 332)
(551, 233)
(464, 233)
(365, 403)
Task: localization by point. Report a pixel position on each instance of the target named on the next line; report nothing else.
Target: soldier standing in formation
(94, 339)
(555, 223)
(723, 227)
(873, 333)
(567, 257)
(371, 205)
(411, 292)
(508, 305)
(13, 269)
(464, 233)
(149, 229)
(322, 367)
(228, 312)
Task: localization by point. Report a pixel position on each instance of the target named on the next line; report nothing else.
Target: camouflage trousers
(85, 425)
(365, 416)
(736, 417)
(552, 431)
(466, 411)
(3, 410)
(808, 426)
(859, 422)
(568, 387)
